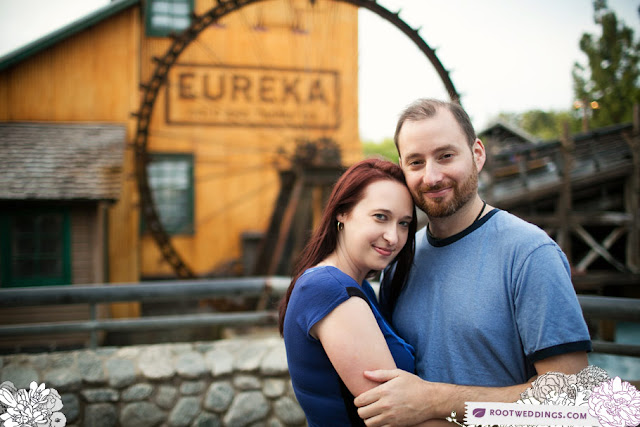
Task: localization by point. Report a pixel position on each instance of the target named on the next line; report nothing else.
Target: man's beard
(437, 208)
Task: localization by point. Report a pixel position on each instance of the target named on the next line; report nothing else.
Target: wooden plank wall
(91, 76)
(94, 76)
(87, 250)
(236, 182)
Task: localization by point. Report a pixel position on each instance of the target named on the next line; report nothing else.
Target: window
(171, 182)
(166, 16)
(37, 247)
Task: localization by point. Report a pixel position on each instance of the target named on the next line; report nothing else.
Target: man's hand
(402, 399)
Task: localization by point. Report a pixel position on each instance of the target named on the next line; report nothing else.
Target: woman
(329, 318)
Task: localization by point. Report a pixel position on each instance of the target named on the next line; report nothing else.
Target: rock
(141, 414)
(247, 382)
(219, 362)
(100, 415)
(275, 362)
(219, 396)
(20, 376)
(65, 379)
(273, 387)
(246, 409)
(137, 392)
(289, 411)
(250, 357)
(188, 388)
(156, 363)
(190, 365)
(100, 395)
(205, 419)
(70, 406)
(184, 412)
(91, 369)
(166, 396)
(121, 372)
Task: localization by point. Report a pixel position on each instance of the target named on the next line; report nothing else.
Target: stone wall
(235, 382)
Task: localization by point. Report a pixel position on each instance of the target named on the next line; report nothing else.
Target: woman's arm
(354, 343)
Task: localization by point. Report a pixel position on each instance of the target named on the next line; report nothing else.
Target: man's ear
(479, 154)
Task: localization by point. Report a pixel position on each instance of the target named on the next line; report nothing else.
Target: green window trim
(172, 188)
(37, 256)
(162, 17)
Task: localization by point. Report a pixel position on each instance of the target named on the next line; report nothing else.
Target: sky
(503, 55)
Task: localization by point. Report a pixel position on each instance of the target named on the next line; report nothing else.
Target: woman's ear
(341, 217)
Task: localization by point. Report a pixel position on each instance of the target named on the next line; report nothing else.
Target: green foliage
(545, 125)
(612, 75)
(611, 79)
(385, 148)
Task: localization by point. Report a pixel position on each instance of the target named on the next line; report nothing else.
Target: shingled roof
(51, 161)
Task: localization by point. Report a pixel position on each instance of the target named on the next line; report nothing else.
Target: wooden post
(632, 195)
(565, 200)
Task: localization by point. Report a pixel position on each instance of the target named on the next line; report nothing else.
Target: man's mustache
(437, 187)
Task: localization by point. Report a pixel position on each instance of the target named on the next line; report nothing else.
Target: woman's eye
(380, 216)
(404, 224)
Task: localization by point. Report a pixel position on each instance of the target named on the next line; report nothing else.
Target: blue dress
(321, 393)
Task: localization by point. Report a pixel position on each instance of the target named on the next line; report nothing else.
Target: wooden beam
(285, 226)
(602, 251)
(510, 201)
(592, 255)
(565, 197)
(632, 194)
(582, 218)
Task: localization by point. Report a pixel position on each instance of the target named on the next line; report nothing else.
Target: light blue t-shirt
(481, 306)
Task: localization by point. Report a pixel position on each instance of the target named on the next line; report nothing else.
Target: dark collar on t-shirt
(434, 241)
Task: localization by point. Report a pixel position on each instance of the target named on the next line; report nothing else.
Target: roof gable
(65, 32)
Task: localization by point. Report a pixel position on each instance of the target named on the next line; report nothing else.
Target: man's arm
(403, 399)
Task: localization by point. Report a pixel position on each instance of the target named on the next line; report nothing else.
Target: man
(489, 303)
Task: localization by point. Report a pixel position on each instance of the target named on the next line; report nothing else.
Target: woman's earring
(340, 226)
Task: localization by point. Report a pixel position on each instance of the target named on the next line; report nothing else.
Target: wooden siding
(94, 76)
(87, 244)
(236, 181)
(91, 76)
(87, 250)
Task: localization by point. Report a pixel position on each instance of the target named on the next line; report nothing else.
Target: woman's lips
(383, 251)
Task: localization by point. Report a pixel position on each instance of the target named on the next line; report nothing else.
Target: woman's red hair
(347, 192)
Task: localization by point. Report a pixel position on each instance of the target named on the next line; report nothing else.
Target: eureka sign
(242, 96)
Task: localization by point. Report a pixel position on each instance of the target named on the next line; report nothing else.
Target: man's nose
(432, 174)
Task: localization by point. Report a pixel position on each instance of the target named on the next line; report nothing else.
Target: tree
(385, 148)
(612, 76)
(545, 125)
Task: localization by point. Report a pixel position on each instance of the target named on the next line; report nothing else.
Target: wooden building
(243, 94)
(583, 190)
(236, 103)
